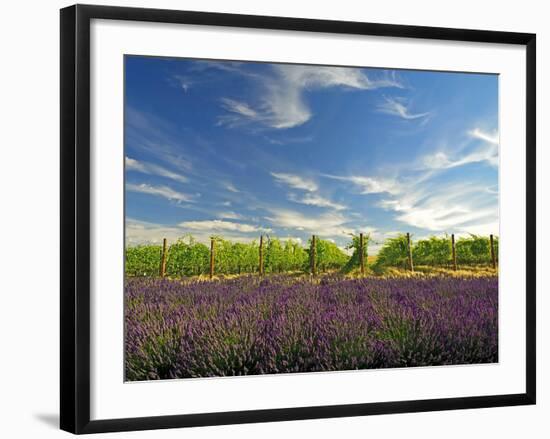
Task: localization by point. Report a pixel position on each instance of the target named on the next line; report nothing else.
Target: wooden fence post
(163, 258)
(261, 251)
(454, 251)
(361, 254)
(212, 250)
(312, 255)
(409, 251)
(493, 255)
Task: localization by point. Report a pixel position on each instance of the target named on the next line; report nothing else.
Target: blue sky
(240, 149)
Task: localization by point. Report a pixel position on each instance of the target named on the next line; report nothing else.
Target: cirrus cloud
(282, 104)
(220, 225)
(295, 181)
(160, 191)
(152, 169)
(329, 224)
(397, 107)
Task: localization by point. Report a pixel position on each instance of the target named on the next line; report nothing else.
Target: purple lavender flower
(248, 326)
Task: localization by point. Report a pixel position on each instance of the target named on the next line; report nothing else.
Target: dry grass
(420, 271)
(427, 271)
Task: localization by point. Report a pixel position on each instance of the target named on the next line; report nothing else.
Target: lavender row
(248, 326)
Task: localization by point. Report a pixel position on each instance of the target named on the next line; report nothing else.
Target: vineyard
(188, 257)
(264, 311)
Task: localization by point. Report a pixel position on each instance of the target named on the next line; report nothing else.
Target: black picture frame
(75, 217)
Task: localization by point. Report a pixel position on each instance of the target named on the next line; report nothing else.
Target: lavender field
(282, 324)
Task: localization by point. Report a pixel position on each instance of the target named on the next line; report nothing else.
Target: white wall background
(29, 249)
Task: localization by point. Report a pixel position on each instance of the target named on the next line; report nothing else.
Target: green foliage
(327, 255)
(282, 257)
(235, 257)
(475, 250)
(394, 253)
(187, 257)
(355, 244)
(274, 256)
(433, 251)
(143, 260)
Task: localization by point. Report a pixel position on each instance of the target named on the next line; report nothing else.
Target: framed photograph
(268, 218)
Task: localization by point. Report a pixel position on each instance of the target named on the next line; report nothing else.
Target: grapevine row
(188, 257)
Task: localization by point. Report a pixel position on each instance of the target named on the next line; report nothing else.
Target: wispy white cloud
(444, 207)
(282, 103)
(229, 215)
(483, 229)
(419, 198)
(441, 160)
(330, 224)
(155, 136)
(225, 66)
(239, 112)
(441, 207)
(311, 196)
(143, 232)
(152, 169)
(371, 185)
(486, 151)
(231, 187)
(182, 81)
(311, 77)
(490, 137)
(160, 191)
(398, 107)
(220, 225)
(315, 200)
(295, 181)
(459, 207)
